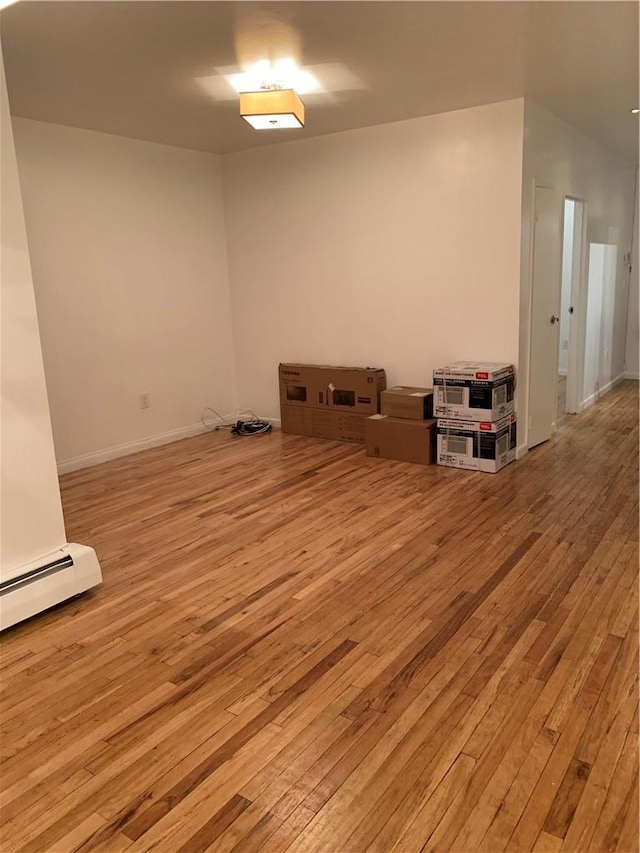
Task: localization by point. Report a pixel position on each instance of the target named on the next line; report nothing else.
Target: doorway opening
(558, 245)
(569, 372)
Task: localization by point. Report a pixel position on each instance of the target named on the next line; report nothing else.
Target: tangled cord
(253, 427)
(242, 422)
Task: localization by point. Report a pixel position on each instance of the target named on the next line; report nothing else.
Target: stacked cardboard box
(329, 402)
(406, 401)
(475, 409)
(405, 428)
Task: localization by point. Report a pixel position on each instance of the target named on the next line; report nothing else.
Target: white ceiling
(151, 70)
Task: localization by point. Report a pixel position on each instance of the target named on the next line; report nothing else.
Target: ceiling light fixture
(635, 110)
(272, 108)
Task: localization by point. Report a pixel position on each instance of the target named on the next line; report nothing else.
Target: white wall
(559, 156)
(599, 325)
(128, 253)
(395, 246)
(32, 524)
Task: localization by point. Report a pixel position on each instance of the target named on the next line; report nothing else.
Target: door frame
(559, 200)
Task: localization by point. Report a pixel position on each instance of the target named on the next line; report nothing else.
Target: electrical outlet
(144, 401)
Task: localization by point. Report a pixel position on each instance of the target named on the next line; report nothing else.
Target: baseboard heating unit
(36, 586)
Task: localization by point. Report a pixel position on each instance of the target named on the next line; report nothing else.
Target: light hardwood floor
(299, 648)
(561, 407)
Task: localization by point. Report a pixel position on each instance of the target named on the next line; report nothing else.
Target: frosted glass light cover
(273, 122)
(272, 109)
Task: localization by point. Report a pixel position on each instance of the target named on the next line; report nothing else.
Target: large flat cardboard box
(345, 389)
(405, 401)
(474, 390)
(477, 445)
(402, 439)
(321, 423)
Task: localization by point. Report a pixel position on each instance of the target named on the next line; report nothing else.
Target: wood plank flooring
(298, 648)
(561, 405)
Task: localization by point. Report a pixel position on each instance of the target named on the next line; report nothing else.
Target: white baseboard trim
(89, 459)
(275, 422)
(628, 375)
(601, 392)
(521, 451)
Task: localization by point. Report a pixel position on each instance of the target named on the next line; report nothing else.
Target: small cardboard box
(321, 423)
(404, 401)
(474, 390)
(476, 445)
(347, 389)
(402, 439)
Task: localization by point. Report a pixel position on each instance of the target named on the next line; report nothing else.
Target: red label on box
(481, 374)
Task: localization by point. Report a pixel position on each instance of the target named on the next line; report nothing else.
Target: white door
(545, 311)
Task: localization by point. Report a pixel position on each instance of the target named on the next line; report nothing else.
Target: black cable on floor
(252, 427)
